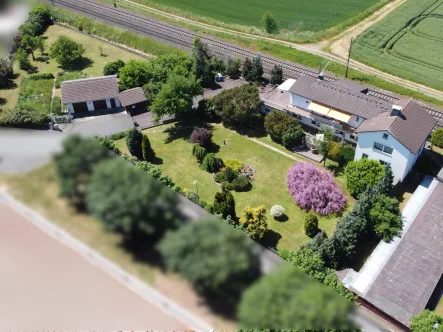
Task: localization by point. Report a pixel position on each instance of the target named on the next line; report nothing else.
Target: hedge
(45, 76)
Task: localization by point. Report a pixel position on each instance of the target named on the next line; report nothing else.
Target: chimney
(395, 110)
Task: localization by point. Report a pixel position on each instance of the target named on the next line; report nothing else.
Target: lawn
(302, 20)
(407, 43)
(269, 184)
(92, 66)
(39, 190)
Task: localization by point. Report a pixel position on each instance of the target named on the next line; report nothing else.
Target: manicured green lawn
(92, 67)
(269, 184)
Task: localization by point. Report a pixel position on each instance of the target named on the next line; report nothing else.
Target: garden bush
(293, 137)
(199, 152)
(224, 204)
(6, 72)
(311, 225)
(315, 189)
(106, 142)
(134, 142)
(347, 155)
(241, 184)
(228, 175)
(211, 163)
(201, 136)
(254, 221)
(361, 174)
(45, 76)
(277, 211)
(425, 321)
(236, 165)
(66, 51)
(113, 67)
(147, 151)
(29, 118)
(192, 196)
(335, 151)
(437, 137)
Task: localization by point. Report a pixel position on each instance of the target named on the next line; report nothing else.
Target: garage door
(80, 107)
(100, 105)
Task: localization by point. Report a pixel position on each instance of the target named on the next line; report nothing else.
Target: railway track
(183, 38)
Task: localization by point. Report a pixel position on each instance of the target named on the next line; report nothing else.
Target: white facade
(401, 159)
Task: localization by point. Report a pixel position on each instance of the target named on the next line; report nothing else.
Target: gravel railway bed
(183, 38)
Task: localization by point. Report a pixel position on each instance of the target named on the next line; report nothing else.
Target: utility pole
(349, 57)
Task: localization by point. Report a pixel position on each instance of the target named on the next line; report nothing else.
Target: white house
(396, 137)
(90, 94)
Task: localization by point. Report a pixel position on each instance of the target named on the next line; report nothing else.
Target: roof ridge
(88, 79)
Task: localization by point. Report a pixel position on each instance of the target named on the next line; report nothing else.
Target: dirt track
(46, 286)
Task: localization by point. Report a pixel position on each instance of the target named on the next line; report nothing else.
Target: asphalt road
(22, 150)
(45, 285)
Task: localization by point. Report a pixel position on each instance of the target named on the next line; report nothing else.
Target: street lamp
(196, 187)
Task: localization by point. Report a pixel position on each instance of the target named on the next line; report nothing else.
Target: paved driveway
(22, 150)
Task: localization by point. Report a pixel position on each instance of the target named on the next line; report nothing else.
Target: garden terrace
(268, 187)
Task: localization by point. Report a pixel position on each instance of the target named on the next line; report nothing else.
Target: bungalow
(90, 94)
(358, 116)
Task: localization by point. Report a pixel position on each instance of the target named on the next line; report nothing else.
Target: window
(383, 162)
(365, 156)
(378, 146)
(388, 150)
(352, 136)
(385, 136)
(267, 110)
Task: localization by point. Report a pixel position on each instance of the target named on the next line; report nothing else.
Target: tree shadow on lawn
(156, 161)
(2, 101)
(42, 59)
(282, 218)
(79, 65)
(271, 239)
(183, 131)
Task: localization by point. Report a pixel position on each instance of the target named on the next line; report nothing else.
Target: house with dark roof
(133, 100)
(90, 94)
(396, 137)
(388, 129)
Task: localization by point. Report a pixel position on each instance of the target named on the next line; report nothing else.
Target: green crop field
(407, 43)
(306, 18)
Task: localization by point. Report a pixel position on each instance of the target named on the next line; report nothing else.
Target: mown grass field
(269, 184)
(302, 20)
(92, 66)
(407, 43)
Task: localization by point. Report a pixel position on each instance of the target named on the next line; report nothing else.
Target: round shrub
(361, 174)
(347, 155)
(224, 204)
(311, 225)
(336, 149)
(277, 211)
(293, 137)
(437, 137)
(236, 165)
(211, 163)
(219, 177)
(278, 123)
(113, 67)
(199, 152)
(226, 176)
(241, 184)
(314, 189)
(201, 136)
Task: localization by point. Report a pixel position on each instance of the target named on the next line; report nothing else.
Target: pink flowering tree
(314, 189)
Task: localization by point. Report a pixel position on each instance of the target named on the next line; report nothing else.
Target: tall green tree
(147, 151)
(75, 163)
(31, 43)
(269, 23)
(257, 69)
(211, 255)
(277, 123)
(247, 70)
(237, 107)
(113, 67)
(176, 96)
(23, 60)
(276, 75)
(386, 217)
(66, 52)
(200, 53)
(287, 299)
(324, 145)
(233, 67)
(134, 143)
(129, 201)
(386, 184)
(135, 73)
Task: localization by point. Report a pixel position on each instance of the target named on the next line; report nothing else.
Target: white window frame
(380, 146)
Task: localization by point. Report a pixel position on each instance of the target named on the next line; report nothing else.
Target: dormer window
(385, 136)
